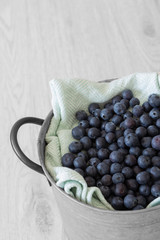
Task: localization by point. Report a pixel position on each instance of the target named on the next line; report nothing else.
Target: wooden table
(41, 40)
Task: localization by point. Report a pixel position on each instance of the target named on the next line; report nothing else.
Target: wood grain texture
(41, 40)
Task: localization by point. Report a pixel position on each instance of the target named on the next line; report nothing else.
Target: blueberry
(86, 142)
(120, 190)
(109, 199)
(144, 190)
(156, 142)
(127, 172)
(90, 181)
(101, 143)
(142, 200)
(156, 161)
(108, 105)
(144, 161)
(95, 122)
(99, 183)
(120, 142)
(125, 102)
(67, 160)
(146, 106)
(131, 192)
(137, 121)
(103, 124)
(154, 100)
(146, 142)
(129, 123)
(103, 153)
(138, 207)
(103, 133)
(152, 130)
(84, 124)
(105, 191)
(121, 126)
(92, 107)
(106, 114)
(119, 108)
(154, 114)
(97, 112)
(130, 160)
(141, 132)
(132, 184)
(137, 169)
(143, 177)
(80, 171)
(92, 152)
(113, 147)
(107, 161)
(135, 151)
(155, 190)
(155, 173)
(145, 120)
(94, 161)
(110, 127)
(158, 123)
(94, 133)
(91, 171)
(110, 137)
(115, 168)
(116, 99)
(89, 117)
(149, 152)
(150, 198)
(103, 168)
(75, 147)
(134, 101)
(131, 140)
(118, 178)
(128, 114)
(79, 162)
(81, 115)
(127, 94)
(116, 156)
(127, 131)
(137, 110)
(117, 203)
(78, 132)
(130, 201)
(117, 119)
(106, 180)
(119, 133)
(84, 155)
(123, 151)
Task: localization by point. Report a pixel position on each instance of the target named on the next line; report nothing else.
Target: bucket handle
(15, 144)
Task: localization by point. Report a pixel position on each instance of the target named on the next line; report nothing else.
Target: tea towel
(71, 95)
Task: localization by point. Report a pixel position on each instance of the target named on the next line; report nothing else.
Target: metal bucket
(80, 220)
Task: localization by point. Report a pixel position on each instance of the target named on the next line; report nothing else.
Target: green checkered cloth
(70, 96)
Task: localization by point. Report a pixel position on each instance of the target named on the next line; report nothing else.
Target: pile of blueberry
(118, 150)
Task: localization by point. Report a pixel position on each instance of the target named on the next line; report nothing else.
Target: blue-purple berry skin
(110, 137)
(141, 132)
(81, 115)
(86, 142)
(156, 161)
(131, 140)
(143, 177)
(101, 143)
(156, 142)
(118, 178)
(103, 168)
(79, 162)
(90, 181)
(94, 133)
(95, 122)
(138, 207)
(80, 171)
(154, 100)
(92, 152)
(103, 153)
(116, 156)
(106, 114)
(91, 171)
(144, 162)
(146, 106)
(116, 99)
(135, 151)
(127, 94)
(145, 120)
(127, 172)
(142, 200)
(78, 132)
(92, 107)
(152, 130)
(106, 180)
(130, 160)
(117, 119)
(117, 203)
(67, 159)
(84, 124)
(127, 131)
(113, 147)
(146, 142)
(110, 127)
(155, 172)
(154, 113)
(130, 201)
(158, 123)
(75, 147)
(115, 168)
(132, 184)
(144, 190)
(118, 133)
(137, 110)
(134, 101)
(127, 115)
(149, 152)
(120, 142)
(120, 190)
(155, 190)
(105, 191)
(94, 161)
(119, 108)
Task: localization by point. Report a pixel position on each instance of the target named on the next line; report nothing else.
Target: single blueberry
(113, 147)
(130, 201)
(80, 171)
(127, 172)
(107, 161)
(156, 142)
(127, 131)
(142, 200)
(119, 108)
(106, 180)
(110, 127)
(94, 161)
(120, 190)
(110, 137)
(103, 124)
(134, 101)
(131, 140)
(130, 160)
(118, 178)
(92, 152)
(146, 142)
(144, 190)
(135, 151)
(97, 112)
(103, 153)
(119, 133)
(78, 132)
(92, 107)
(158, 123)
(137, 110)
(155, 172)
(86, 142)
(116, 99)
(156, 161)
(75, 147)
(94, 133)
(152, 130)
(154, 100)
(129, 123)
(95, 122)
(151, 152)
(155, 190)
(81, 115)
(141, 132)
(117, 203)
(101, 143)
(103, 168)
(91, 171)
(132, 184)
(146, 106)
(105, 191)
(103, 133)
(125, 102)
(143, 177)
(154, 113)
(106, 114)
(144, 161)
(145, 120)
(83, 154)
(116, 156)
(123, 151)
(127, 94)
(115, 168)
(136, 170)
(79, 162)
(138, 207)
(128, 114)
(90, 181)
(120, 142)
(117, 119)
(67, 159)
(84, 123)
